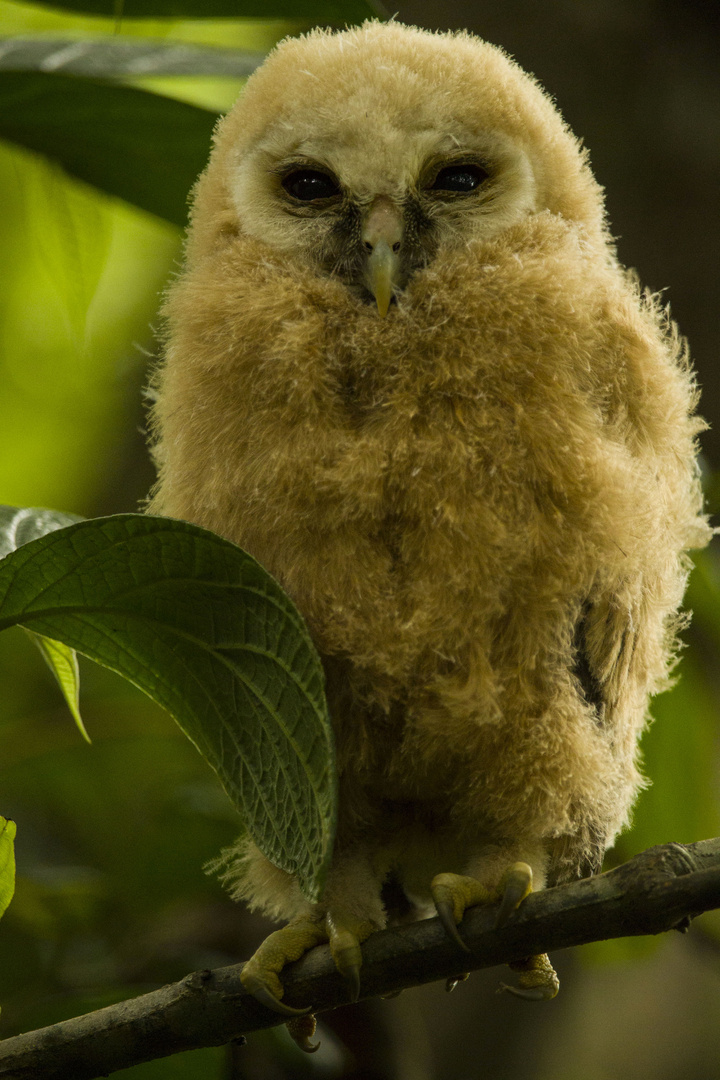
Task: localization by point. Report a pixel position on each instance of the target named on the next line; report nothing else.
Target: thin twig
(661, 889)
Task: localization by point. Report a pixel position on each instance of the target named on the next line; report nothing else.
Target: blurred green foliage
(111, 899)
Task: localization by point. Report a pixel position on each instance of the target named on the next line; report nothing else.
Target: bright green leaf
(142, 147)
(198, 625)
(7, 862)
(311, 11)
(62, 661)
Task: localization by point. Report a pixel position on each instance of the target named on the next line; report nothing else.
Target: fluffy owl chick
(404, 369)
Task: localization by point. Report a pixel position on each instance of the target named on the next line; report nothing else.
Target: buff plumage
(482, 502)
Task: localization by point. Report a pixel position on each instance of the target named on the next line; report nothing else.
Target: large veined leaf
(143, 147)
(7, 862)
(311, 11)
(206, 632)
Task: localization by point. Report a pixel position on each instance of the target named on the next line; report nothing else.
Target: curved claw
(262, 993)
(452, 982)
(345, 936)
(307, 1046)
(444, 909)
(517, 884)
(301, 1030)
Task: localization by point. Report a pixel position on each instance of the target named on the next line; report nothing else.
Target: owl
(404, 369)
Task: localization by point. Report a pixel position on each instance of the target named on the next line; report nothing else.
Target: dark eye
(308, 185)
(462, 178)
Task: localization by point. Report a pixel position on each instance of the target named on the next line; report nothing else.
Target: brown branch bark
(661, 889)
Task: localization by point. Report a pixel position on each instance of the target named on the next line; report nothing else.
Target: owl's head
(364, 153)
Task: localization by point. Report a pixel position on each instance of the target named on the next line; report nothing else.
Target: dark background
(111, 898)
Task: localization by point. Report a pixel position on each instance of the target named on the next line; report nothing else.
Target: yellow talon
(515, 885)
(262, 990)
(261, 974)
(453, 894)
(345, 935)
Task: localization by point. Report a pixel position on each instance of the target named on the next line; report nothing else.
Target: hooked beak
(381, 235)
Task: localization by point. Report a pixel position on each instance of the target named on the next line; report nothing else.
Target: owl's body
(481, 501)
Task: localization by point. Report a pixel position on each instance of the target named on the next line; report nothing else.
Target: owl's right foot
(343, 932)
(261, 974)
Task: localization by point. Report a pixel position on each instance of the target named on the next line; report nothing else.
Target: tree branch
(661, 889)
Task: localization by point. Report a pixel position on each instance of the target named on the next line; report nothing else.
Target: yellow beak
(382, 275)
(382, 235)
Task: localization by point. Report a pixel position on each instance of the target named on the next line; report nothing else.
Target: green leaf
(310, 11)
(62, 661)
(205, 631)
(139, 146)
(7, 862)
(109, 57)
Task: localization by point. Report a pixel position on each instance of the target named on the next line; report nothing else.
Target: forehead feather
(363, 91)
(390, 73)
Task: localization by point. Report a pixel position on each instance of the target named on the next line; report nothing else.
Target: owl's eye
(460, 178)
(310, 185)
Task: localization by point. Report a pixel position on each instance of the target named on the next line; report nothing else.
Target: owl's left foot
(454, 893)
